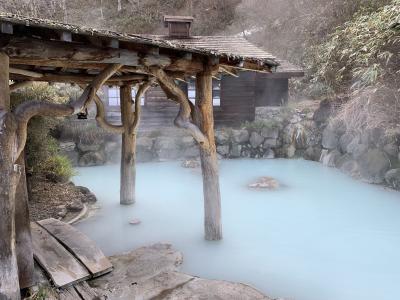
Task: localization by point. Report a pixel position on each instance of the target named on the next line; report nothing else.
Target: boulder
(256, 140)
(330, 158)
(223, 150)
(75, 206)
(391, 149)
(89, 197)
(67, 146)
(330, 139)
(348, 165)
(235, 151)
(270, 132)
(373, 137)
(135, 222)
(269, 153)
(167, 148)
(222, 137)
(191, 152)
(312, 133)
(187, 142)
(392, 178)
(144, 144)
(313, 153)
(265, 182)
(373, 166)
(89, 159)
(290, 151)
(240, 136)
(112, 151)
(322, 114)
(83, 147)
(271, 143)
(297, 135)
(345, 141)
(356, 148)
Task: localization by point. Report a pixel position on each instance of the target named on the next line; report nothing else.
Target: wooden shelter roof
(234, 48)
(237, 46)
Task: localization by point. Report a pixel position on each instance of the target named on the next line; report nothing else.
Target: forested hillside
(344, 46)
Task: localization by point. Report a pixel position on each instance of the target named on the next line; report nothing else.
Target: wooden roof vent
(178, 26)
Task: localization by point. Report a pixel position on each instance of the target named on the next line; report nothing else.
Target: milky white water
(322, 237)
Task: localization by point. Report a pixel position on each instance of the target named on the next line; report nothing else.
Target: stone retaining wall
(278, 132)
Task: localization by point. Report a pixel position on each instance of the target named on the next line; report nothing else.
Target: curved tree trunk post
(128, 154)
(208, 156)
(23, 230)
(9, 175)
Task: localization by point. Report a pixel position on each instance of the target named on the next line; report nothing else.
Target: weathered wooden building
(236, 94)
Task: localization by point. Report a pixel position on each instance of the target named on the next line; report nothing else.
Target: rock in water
(135, 222)
(190, 164)
(265, 183)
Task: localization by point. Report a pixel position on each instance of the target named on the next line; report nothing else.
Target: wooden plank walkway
(68, 256)
(60, 265)
(83, 248)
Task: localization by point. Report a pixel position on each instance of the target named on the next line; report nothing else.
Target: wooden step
(79, 245)
(62, 267)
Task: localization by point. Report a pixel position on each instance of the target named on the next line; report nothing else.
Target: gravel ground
(56, 200)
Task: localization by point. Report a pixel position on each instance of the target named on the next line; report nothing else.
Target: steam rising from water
(323, 237)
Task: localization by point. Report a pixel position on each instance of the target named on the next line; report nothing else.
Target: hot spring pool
(322, 237)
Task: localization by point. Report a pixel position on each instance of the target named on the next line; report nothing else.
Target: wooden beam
(26, 73)
(229, 71)
(72, 78)
(27, 50)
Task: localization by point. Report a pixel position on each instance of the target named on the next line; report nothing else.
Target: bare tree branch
(141, 91)
(25, 111)
(173, 92)
(101, 116)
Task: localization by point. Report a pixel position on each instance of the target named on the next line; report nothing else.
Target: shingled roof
(235, 45)
(235, 48)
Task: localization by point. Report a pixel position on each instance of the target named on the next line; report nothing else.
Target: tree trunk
(128, 155)
(23, 230)
(9, 176)
(208, 157)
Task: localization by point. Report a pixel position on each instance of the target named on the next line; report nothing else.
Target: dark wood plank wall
(238, 99)
(271, 91)
(157, 111)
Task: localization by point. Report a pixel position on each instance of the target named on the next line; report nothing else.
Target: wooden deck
(68, 257)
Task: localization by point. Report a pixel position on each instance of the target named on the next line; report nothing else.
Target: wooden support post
(128, 155)
(4, 82)
(23, 230)
(208, 156)
(9, 176)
